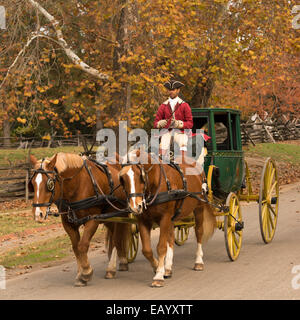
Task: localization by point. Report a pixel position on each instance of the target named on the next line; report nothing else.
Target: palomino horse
(71, 178)
(152, 180)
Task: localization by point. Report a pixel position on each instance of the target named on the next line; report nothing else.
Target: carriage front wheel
(268, 200)
(133, 244)
(233, 227)
(181, 234)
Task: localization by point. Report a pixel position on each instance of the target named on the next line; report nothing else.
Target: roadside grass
(17, 223)
(39, 252)
(279, 151)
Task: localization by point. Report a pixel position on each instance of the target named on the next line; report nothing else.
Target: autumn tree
(69, 65)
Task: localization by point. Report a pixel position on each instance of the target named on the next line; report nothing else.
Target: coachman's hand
(178, 124)
(161, 123)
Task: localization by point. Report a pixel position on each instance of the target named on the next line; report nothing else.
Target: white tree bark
(69, 52)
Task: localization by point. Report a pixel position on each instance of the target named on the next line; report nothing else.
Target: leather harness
(108, 200)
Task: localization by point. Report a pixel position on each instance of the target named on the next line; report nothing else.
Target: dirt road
(261, 272)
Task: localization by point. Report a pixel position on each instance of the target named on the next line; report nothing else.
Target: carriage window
(222, 132)
(201, 123)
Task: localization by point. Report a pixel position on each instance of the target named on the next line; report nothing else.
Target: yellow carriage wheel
(133, 244)
(181, 234)
(233, 227)
(268, 200)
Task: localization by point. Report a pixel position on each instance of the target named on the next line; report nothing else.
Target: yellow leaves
(147, 78)
(40, 89)
(244, 67)
(27, 94)
(46, 137)
(214, 68)
(56, 101)
(110, 123)
(21, 120)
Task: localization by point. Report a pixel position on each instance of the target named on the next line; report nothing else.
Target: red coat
(183, 112)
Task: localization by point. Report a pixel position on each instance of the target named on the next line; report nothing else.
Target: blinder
(50, 184)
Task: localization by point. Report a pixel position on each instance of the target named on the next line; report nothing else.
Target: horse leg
(169, 255)
(74, 235)
(198, 213)
(112, 265)
(121, 235)
(86, 270)
(118, 236)
(111, 251)
(145, 232)
(158, 280)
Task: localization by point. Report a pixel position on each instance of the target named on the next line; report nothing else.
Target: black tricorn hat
(173, 84)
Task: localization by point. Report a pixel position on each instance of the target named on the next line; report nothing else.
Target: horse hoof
(80, 283)
(199, 267)
(168, 274)
(123, 267)
(157, 284)
(110, 275)
(85, 277)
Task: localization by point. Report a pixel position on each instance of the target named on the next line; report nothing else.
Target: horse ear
(52, 162)
(33, 159)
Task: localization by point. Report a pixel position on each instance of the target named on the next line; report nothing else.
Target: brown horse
(65, 176)
(140, 180)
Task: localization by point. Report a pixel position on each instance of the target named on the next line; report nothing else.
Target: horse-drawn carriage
(228, 180)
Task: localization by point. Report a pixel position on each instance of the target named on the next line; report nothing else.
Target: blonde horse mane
(66, 161)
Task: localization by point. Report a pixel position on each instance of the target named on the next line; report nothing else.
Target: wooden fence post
(26, 186)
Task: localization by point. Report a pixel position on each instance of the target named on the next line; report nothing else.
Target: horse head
(42, 183)
(133, 178)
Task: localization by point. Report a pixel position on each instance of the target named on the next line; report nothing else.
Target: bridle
(145, 195)
(50, 185)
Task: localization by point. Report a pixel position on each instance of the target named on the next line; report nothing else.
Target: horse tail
(209, 222)
(117, 235)
(123, 237)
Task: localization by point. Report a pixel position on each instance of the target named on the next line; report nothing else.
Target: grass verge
(279, 151)
(22, 221)
(15, 156)
(37, 252)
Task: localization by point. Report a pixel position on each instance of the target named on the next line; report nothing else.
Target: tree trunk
(6, 133)
(202, 93)
(99, 123)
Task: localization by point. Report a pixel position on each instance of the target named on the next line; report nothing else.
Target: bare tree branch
(70, 53)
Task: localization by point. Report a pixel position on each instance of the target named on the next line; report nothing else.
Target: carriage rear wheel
(133, 244)
(233, 227)
(181, 234)
(268, 200)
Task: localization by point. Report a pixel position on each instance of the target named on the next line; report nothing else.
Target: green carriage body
(224, 148)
